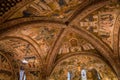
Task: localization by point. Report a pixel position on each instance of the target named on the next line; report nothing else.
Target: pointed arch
(62, 59)
(116, 37)
(26, 39)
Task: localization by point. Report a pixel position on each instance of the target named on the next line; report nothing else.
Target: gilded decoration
(33, 75)
(72, 42)
(5, 69)
(101, 22)
(21, 50)
(76, 64)
(49, 8)
(44, 35)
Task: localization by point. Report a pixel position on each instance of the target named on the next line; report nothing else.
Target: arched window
(83, 74)
(69, 76)
(22, 74)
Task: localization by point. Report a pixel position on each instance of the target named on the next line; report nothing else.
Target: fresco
(33, 75)
(15, 63)
(4, 64)
(72, 42)
(49, 8)
(101, 22)
(43, 35)
(5, 75)
(75, 64)
(22, 50)
(5, 48)
(33, 63)
(19, 47)
(5, 69)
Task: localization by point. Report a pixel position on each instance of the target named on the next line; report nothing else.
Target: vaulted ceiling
(45, 32)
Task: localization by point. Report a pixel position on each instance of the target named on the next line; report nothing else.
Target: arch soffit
(30, 19)
(87, 11)
(7, 61)
(25, 39)
(25, 2)
(29, 39)
(82, 54)
(80, 16)
(90, 9)
(116, 35)
(34, 21)
(87, 36)
(10, 60)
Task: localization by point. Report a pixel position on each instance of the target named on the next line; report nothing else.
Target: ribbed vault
(78, 62)
(45, 32)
